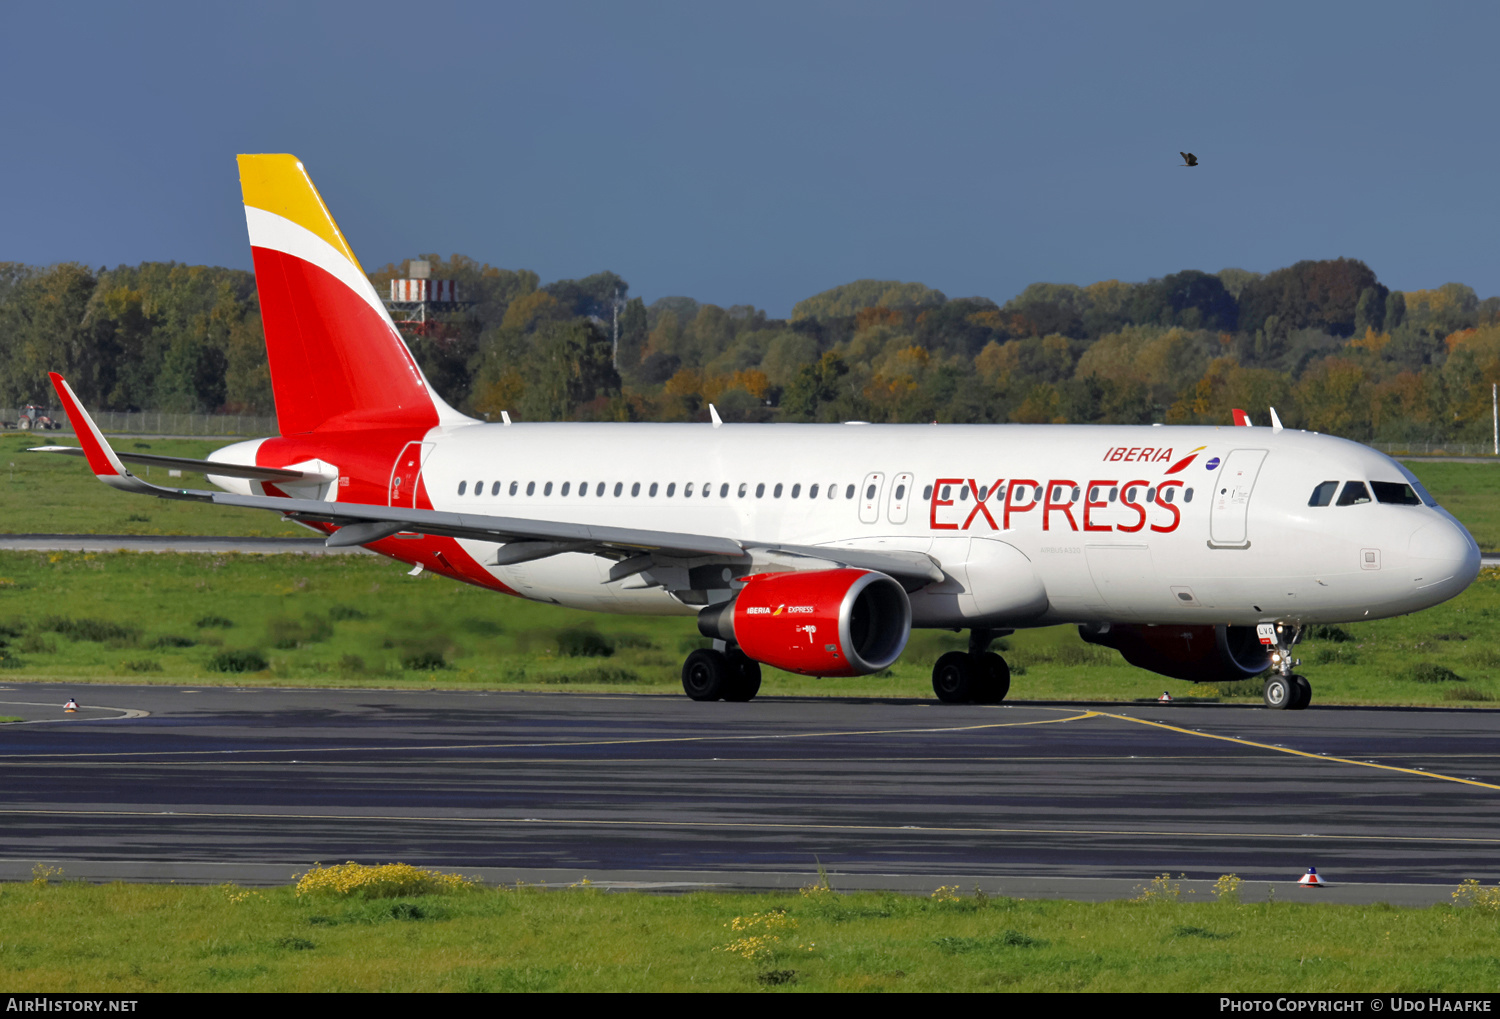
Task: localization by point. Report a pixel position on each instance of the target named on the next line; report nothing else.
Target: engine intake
(843, 622)
(1203, 654)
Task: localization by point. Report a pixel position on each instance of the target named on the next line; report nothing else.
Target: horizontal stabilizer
(223, 470)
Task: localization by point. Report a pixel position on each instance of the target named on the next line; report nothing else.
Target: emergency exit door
(405, 473)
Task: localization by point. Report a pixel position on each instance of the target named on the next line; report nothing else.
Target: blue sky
(760, 153)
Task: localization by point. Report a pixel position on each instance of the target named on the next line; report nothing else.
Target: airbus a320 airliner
(1199, 553)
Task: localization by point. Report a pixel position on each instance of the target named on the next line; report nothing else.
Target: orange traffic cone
(71, 706)
(1310, 879)
(1165, 698)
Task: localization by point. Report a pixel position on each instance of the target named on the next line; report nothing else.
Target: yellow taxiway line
(1299, 753)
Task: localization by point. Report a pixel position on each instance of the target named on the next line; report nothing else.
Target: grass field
(361, 621)
(71, 936)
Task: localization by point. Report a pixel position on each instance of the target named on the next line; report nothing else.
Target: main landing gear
(714, 675)
(1285, 690)
(978, 676)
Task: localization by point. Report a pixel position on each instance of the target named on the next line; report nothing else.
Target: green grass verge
(74, 937)
(292, 620)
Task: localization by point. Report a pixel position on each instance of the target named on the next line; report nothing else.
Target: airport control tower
(417, 301)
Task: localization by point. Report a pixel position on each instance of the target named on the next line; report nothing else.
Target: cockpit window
(1323, 494)
(1399, 493)
(1354, 494)
(1411, 479)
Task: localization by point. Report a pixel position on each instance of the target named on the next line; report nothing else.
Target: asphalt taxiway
(1089, 801)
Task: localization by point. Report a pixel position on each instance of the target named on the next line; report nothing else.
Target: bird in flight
(1188, 159)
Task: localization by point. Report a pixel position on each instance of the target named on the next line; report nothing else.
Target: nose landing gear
(1285, 690)
(978, 676)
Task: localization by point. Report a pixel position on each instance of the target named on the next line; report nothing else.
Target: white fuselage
(1229, 537)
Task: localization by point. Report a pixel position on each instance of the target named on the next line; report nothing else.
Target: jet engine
(842, 622)
(1202, 654)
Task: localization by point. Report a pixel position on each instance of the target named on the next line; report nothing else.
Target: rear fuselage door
(900, 499)
(405, 471)
(1232, 488)
(869, 497)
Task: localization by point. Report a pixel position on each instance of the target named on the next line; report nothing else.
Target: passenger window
(652, 490)
(812, 493)
(547, 490)
(567, 486)
(513, 486)
(1323, 494)
(947, 493)
(1187, 496)
(724, 490)
(1150, 495)
(1114, 493)
(999, 492)
(1396, 493)
(1354, 494)
(760, 490)
(635, 490)
(583, 488)
(901, 493)
(926, 492)
(1074, 496)
(462, 485)
(495, 489)
(776, 492)
(743, 487)
(963, 493)
(1166, 495)
(671, 489)
(1094, 494)
(687, 490)
(796, 491)
(599, 489)
(619, 487)
(531, 488)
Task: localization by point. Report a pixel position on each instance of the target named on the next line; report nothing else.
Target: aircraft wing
(635, 550)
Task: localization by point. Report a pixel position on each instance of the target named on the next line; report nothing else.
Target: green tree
(815, 387)
(844, 301)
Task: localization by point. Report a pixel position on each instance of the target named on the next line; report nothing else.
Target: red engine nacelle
(1203, 654)
(820, 623)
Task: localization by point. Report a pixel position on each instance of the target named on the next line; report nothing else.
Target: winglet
(1275, 421)
(713, 412)
(102, 459)
(1241, 419)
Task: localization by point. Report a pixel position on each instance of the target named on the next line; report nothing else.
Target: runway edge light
(1310, 879)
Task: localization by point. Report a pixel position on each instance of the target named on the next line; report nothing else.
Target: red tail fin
(337, 361)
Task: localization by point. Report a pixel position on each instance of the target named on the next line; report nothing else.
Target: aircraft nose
(1443, 554)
